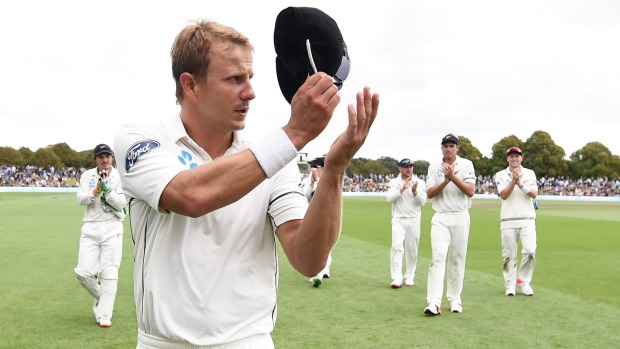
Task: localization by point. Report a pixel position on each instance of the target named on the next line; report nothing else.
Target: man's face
(318, 170)
(224, 97)
(514, 160)
(449, 150)
(406, 171)
(104, 161)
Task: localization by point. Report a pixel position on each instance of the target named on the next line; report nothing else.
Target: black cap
(102, 149)
(405, 162)
(450, 138)
(514, 150)
(294, 26)
(317, 162)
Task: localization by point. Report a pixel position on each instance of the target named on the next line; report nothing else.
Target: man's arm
(505, 190)
(433, 191)
(308, 242)
(393, 193)
(116, 197)
(432, 187)
(420, 193)
(206, 188)
(531, 187)
(85, 196)
(467, 188)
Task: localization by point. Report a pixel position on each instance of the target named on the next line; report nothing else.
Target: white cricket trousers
(101, 246)
(449, 237)
(405, 240)
(99, 256)
(510, 244)
(259, 341)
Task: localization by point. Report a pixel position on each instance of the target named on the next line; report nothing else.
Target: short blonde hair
(191, 48)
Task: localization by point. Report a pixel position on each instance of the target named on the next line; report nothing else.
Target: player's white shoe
(409, 282)
(105, 322)
(527, 289)
(396, 284)
(510, 292)
(456, 307)
(432, 309)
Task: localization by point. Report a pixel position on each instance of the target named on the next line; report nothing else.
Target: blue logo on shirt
(187, 155)
(137, 150)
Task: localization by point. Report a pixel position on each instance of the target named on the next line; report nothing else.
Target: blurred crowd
(562, 186)
(31, 176)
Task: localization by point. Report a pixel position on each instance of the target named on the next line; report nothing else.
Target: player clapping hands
(410, 184)
(448, 171)
(103, 183)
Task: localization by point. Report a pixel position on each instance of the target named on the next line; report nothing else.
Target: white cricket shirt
(451, 199)
(518, 209)
(95, 210)
(405, 205)
(211, 279)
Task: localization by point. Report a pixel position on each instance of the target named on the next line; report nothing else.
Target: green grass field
(576, 282)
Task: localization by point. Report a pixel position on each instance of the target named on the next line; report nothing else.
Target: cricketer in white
(205, 207)
(101, 236)
(517, 187)
(407, 195)
(451, 184)
(197, 268)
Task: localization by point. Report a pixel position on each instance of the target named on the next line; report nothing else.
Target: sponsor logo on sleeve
(137, 150)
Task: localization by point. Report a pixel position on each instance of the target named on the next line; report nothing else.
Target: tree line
(541, 154)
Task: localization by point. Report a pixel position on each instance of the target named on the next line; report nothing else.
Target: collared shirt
(405, 205)
(518, 209)
(451, 199)
(206, 280)
(104, 206)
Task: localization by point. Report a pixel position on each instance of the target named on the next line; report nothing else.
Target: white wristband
(525, 189)
(274, 151)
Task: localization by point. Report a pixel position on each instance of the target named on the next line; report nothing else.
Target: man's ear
(188, 82)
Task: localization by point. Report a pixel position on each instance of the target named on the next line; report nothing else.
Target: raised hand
(360, 122)
(448, 171)
(312, 107)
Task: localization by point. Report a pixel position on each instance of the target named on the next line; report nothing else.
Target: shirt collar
(177, 132)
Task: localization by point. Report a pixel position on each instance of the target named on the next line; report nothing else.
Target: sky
(74, 71)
